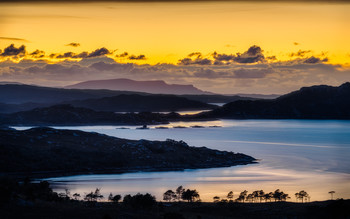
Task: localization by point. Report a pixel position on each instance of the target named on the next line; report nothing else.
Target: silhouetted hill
(16, 94)
(155, 87)
(69, 115)
(316, 102)
(141, 103)
(69, 151)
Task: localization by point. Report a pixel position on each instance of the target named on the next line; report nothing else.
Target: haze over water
(293, 155)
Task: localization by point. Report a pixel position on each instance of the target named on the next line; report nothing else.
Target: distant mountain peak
(152, 86)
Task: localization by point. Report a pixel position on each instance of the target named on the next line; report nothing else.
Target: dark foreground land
(108, 210)
(26, 199)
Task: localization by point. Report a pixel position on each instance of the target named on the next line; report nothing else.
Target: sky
(228, 47)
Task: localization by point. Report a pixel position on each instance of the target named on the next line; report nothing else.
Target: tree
(331, 192)
(242, 196)
(114, 198)
(302, 195)
(169, 195)
(280, 195)
(261, 195)
(268, 196)
(145, 201)
(190, 195)
(250, 197)
(216, 199)
(76, 196)
(179, 191)
(93, 196)
(65, 195)
(230, 196)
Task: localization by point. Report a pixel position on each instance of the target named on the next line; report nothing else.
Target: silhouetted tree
(331, 192)
(76, 196)
(65, 195)
(190, 195)
(145, 201)
(268, 196)
(179, 191)
(261, 195)
(280, 195)
(250, 197)
(242, 196)
(114, 198)
(93, 196)
(169, 195)
(216, 199)
(302, 195)
(230, 196)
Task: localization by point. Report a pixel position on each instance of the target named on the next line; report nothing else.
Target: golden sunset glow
(167, 32)
(201, 43)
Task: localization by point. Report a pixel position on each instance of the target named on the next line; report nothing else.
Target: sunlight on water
(293, 155)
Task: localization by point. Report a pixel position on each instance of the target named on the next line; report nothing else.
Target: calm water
(294, 155)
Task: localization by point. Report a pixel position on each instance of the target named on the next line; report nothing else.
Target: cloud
(252, 55)
(139, 57)
(300, 53)
(252, 73)
(197, 54)
(315, 60)
(66, 55)
(197, 61)
(124, 54)
(13, 51)
(13, 39)
(223, 57)
(37, 54)
(99, 52)
(73, 44)
(102, 66)
(249, 71)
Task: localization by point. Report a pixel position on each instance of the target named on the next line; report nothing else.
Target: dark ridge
(316, 102)
(69, 115)
(140, 103)
(17, 94)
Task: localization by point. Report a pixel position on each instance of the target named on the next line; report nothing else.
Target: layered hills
(315, 102)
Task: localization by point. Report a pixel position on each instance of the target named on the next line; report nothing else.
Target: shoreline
(36, 176)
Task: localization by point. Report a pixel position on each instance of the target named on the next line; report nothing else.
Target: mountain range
(153, 87)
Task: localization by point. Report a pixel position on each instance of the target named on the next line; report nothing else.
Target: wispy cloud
(13, 38)
(73, 44)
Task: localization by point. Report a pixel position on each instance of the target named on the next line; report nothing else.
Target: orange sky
(168, 32)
